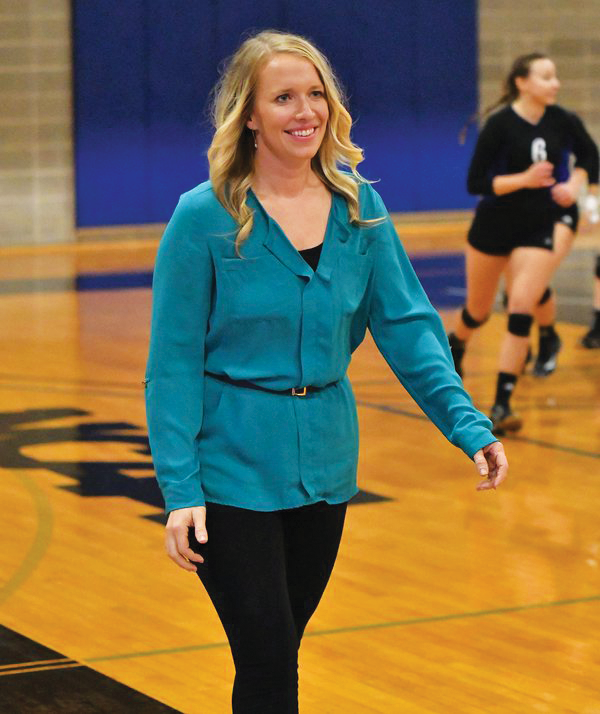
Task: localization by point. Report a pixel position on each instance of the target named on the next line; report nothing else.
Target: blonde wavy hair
(231, 153)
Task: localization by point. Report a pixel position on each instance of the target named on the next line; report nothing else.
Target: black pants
(265, 574)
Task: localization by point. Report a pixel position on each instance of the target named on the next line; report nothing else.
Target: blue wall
(143, 70)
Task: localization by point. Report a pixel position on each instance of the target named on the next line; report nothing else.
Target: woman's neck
(271, 179)
(529, 109)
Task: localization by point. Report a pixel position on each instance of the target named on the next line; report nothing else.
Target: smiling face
(290, 111)
(541, 84)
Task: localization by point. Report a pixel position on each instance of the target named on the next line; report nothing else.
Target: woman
(520, 166)
(266, 280)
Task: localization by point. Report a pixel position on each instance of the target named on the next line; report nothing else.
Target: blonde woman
(266, 280)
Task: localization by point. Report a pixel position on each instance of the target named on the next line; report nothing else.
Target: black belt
(293, 391)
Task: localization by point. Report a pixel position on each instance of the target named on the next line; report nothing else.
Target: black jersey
(509, 144)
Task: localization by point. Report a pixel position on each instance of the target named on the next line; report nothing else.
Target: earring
(254, 137)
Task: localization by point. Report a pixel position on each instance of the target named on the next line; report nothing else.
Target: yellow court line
(93, 240)
(43, 536)
(97, 240)
(127, 244)
(44, 662)
(99, 246)
(428, 229)
(42, 669)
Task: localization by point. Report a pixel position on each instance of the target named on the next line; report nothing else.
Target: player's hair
(520, 68)
(231, 153)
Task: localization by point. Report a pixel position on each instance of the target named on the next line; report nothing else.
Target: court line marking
(360, 628)
(522, 439)
(70, 665)
(43, 535)
(551, 445)
(44, 662)
(98, 246)
(123, 238)
(85, 661)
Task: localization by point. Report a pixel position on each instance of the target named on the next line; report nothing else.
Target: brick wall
(569, 32)
(36, 155)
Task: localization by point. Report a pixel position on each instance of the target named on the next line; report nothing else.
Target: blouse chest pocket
(255, 289)
(352, 280)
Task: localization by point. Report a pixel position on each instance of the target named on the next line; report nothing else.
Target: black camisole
(312, 255)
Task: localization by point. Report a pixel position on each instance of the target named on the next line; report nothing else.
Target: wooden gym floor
(443, 599)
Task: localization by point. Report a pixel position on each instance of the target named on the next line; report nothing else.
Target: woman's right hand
(176, 536)
(539, 175)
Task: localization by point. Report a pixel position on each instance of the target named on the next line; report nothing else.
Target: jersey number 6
(538, 150)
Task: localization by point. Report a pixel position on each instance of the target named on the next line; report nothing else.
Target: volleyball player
(521, 169)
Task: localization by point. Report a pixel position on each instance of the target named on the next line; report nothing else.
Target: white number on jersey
(538, 150)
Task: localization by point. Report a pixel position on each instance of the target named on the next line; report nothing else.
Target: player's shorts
(568, 216)
(499, 228)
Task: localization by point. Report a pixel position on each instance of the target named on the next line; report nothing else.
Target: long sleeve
(585, 149)
(409, 333)
(182, 285)
(481, 173)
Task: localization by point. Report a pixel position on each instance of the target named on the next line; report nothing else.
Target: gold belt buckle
(298, 391)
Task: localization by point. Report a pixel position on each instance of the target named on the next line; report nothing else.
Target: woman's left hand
(492, 464)
(564, 194)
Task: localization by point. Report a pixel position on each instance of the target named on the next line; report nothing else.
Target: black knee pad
(598, 266)
(546, 296)
(519, 324)
(470, 321)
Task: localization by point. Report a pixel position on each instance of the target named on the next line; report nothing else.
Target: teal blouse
(266, 317)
